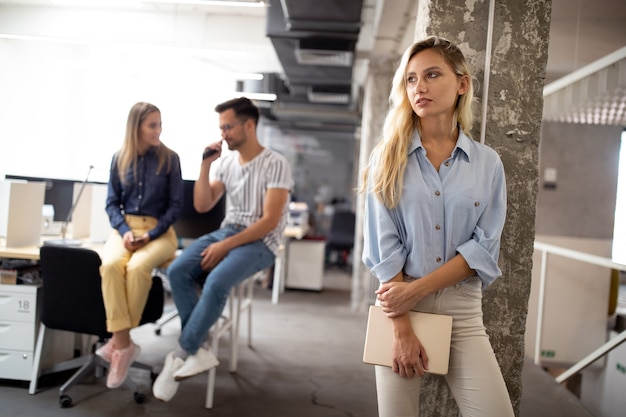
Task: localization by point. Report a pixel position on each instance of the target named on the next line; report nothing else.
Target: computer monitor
(21, 204)
(190, 223)
(59, 193)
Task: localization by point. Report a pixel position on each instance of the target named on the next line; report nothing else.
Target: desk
(278, 284)
(19, 319)
(32, 252)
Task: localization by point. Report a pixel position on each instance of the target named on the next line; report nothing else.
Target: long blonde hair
(401, 122)
(128, 153)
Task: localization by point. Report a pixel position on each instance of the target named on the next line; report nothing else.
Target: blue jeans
(198, 312)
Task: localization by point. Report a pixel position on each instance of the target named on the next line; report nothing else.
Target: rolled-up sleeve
(383, 251)
(482, 251)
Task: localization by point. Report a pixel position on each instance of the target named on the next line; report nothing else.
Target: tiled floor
(305, 362)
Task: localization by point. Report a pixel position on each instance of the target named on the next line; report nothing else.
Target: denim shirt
(158, 195)
(460, 209)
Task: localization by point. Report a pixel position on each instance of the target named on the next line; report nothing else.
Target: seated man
(257, 182)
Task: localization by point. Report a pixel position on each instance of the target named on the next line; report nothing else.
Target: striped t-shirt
(246, 186)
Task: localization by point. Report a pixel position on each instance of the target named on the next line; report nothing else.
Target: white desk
(32, 252)
(278, 285)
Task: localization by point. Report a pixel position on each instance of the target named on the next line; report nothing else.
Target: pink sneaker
(106, 350)
(121, 359)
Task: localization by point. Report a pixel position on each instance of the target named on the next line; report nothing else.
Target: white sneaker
(165, 386)
(195, 364)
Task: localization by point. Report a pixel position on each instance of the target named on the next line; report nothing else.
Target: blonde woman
(435, 210)
(144, 199)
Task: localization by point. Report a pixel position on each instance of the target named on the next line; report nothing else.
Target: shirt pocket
(466, 210)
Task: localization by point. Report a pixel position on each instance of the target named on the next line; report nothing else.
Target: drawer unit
(16, 336)
(305, 265)
(18, 328)
(16, 365)
(18, 303)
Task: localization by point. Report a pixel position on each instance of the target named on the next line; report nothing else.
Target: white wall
(586, 158)
(68, 78)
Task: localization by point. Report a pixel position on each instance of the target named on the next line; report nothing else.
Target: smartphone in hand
(207, 153)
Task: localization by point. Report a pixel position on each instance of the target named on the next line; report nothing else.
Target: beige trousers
(127, 276)
(474, 375)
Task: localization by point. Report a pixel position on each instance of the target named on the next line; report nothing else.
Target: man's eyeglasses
(228, 126)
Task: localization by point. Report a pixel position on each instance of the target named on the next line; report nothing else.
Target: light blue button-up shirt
(460, 209)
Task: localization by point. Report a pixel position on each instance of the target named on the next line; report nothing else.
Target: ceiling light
(231, 3)
(247, 76)
(257, 96)
(126, 4)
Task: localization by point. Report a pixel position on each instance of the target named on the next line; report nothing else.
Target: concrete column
(519, 30)
(375, 106)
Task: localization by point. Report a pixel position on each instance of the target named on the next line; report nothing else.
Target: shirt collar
(463, 143)
(150, 152)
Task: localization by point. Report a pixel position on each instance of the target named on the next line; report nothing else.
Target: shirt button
(476, 204)
(438, 259)
(447, 163)
(437, 193)
(140, 183)
(437, 227)
(139, 196)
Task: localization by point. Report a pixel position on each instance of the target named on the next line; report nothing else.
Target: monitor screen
(190, 223)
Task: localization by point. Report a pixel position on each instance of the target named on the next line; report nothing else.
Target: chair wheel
(139, 398)
(65, 401)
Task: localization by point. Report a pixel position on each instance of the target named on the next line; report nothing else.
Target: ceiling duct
(270, 83)
(329, 94)
(340, 16)
(262, 91)
(315, 41)
(324, 51)
(326, 114)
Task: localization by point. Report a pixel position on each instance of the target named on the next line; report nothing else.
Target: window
(619, 231)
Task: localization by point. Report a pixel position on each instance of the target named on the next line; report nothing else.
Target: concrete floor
(305, 362)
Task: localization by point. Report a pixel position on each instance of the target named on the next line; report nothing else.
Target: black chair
(341, 238)
(72, 301)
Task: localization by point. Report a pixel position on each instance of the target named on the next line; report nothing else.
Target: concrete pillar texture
(375, 106)
(518, 32)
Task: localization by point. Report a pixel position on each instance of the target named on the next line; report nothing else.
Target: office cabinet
(18, 327)
(305, 264)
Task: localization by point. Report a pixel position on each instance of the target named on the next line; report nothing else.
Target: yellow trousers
(127, 276)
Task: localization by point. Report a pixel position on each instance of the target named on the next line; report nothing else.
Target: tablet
(433, 330)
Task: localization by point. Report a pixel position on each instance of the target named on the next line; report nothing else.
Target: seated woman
(143, 202)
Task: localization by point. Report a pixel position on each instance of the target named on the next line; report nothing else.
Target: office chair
(341, 237)
(72, 301)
